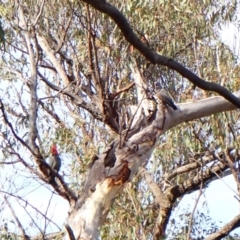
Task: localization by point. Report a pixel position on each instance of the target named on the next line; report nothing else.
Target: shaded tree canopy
(82, 75)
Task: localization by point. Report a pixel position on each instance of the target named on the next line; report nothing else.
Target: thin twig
(27, 203)
(45, 222)
(39, 14)
(70, 232)
(9, 162)
(25, 236)
(11, 127)
(195, 206)
(131, 121)
(62, 41)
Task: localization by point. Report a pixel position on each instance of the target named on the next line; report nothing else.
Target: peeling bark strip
(122, 177)
(155, 58)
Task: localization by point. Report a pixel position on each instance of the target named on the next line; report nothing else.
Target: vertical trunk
(108, 174)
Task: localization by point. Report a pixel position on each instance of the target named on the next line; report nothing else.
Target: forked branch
(131, 37)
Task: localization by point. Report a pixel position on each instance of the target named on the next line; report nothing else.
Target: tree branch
(188, 167)
(50, 54)
(157, 192)
(32, 83)
(11, 128)
(172, 193)
(24, 235)
(70, 232)
(78, 100)
(225, 230)
(195, 206)
(155, 58)
(27, 203)
(39, 13)
(199, 109)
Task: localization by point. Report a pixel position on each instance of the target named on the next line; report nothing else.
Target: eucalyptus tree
(82, 75)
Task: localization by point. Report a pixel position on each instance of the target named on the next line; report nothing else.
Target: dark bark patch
(110, 158)
(43, 167)
(123, 175)
(93, 160)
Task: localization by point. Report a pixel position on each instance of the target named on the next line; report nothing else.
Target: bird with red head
(55, 161)
(54, 150)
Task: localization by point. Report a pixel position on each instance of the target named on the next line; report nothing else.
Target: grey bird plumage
(163, 95)
(55, 162)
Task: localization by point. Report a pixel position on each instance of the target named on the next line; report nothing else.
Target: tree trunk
(109, 171)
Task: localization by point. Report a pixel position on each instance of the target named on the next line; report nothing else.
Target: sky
(230, 36)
